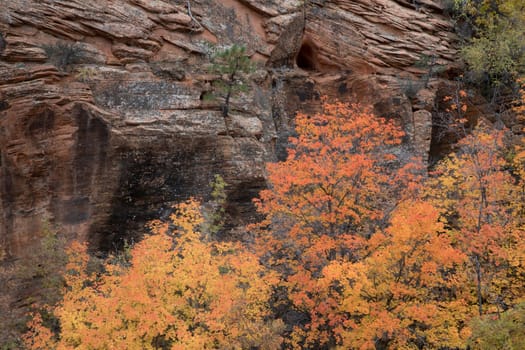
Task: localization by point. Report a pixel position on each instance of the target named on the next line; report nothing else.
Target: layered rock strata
(103, 124)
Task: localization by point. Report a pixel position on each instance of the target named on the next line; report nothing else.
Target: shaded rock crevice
(306, 58)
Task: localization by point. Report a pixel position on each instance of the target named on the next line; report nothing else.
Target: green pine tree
(232, 65)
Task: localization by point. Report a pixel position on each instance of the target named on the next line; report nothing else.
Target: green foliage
(214, 214)
(85, 74)
(231, 65)
(10, 345)
(63, 54)
(506, 332)
(41, 271)
(497, 52)
(122, 256)
(45, 265)
(430, 69)
(411, 87)
(431, 66)
(450, 7)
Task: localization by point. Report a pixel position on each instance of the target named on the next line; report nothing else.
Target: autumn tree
(402, 295)
(364, 266)
(450, 120)
(179, 292)
(478, 197)
(339, 180)
(336, 174)
(336, 187)
(495, 52)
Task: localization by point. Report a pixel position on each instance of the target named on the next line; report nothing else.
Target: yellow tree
(478, 197)
(179, 293)
(403, 295)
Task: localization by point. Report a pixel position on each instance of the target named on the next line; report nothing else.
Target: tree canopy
(357, 250)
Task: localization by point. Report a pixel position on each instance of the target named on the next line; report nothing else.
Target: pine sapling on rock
(231, 65)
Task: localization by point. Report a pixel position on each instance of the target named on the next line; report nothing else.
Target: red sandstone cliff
(102, 144)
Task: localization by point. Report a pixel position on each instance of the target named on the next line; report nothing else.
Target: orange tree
(332, 185)
(179, 292)
(337, 186)
(335, 174)
(403, 294)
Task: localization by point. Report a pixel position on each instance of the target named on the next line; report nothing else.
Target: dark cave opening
(306, 57)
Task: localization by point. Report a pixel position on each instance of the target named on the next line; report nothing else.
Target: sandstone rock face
(102, 121)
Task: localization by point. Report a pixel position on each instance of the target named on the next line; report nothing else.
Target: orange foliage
(404, 290)
(178, 292)
(404, 285)
(334, 184)
(325, 200)
(355, 251)
(335, 176)
(38, 337)
(453, 120)
(481, 200)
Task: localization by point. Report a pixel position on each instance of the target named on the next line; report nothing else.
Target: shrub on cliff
(63, 54)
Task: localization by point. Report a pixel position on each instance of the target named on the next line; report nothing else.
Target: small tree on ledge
(231, 64)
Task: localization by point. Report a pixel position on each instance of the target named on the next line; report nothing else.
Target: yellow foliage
(482, 203)
(179, 291)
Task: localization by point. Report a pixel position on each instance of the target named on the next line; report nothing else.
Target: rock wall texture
(102, 119)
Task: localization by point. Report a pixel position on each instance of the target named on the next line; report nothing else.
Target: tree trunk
(478, 283)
